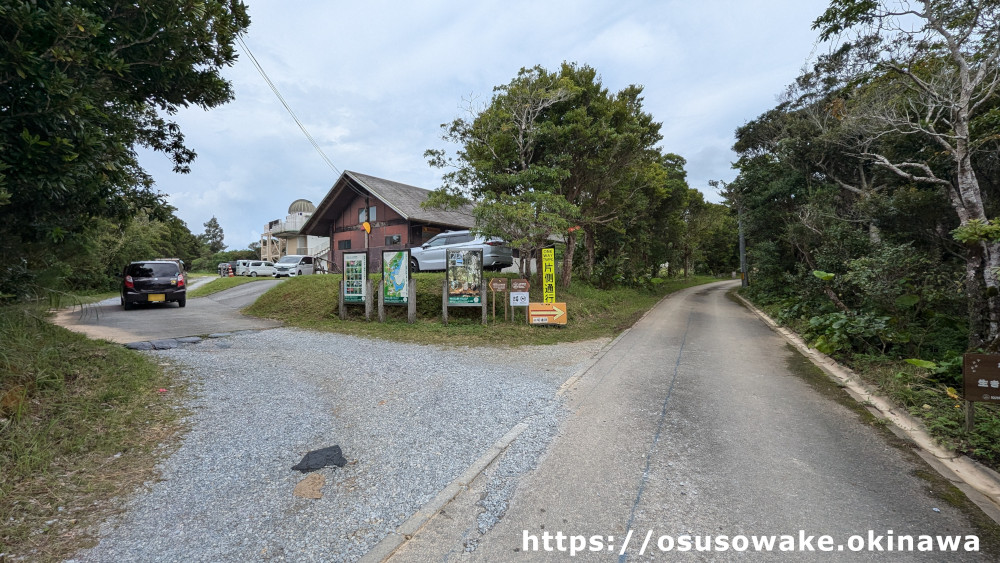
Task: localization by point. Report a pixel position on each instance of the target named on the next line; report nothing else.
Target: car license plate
(155, 297)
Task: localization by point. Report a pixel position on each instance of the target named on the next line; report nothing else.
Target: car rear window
(152, 270)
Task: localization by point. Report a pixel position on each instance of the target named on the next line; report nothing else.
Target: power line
(281, 98)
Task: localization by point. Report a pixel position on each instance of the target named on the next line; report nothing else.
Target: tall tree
(85, 82)
(932, 68)
(214, 236)
(557, 133)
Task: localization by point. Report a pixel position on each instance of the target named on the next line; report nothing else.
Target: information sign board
(355, 276)
(981, 373)
(465, 277)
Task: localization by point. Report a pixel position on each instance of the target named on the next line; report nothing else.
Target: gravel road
(409, 418)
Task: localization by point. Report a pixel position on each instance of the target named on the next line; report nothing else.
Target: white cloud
(373, 81)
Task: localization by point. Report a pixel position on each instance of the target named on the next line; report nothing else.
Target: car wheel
(414, 265)
(300, 272)
(182, 302)
(127, 306)
(253, 274)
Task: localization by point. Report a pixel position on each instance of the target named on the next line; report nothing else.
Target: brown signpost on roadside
(518, 295)
(981, 378)
(498, 285)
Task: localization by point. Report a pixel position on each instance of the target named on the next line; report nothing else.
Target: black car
(155, 281)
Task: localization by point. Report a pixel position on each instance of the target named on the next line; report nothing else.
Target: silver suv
(432, 254)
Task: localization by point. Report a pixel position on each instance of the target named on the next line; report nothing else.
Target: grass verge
(79, 423)
(222, 284)
(311, 302)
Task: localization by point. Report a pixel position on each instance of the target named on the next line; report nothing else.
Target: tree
(551, 135)
(214, 236)
(932, 68)
(84, 83)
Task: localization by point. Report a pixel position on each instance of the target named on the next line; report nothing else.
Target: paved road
(219, 312)
(702, 421)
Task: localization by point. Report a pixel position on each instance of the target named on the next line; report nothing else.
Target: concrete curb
(980, 483)
(384, 549)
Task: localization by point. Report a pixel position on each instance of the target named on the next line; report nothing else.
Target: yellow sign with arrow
(547, 313)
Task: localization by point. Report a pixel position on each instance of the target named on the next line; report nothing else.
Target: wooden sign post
(981, 378)
(498, 285)
(518, 295)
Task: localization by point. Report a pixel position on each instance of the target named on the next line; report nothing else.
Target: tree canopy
(557, 156)
(214, 236)
(867, 192)
(84, 84)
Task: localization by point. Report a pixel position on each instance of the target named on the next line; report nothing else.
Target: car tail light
(180, 280)
(494, 243)
(128, 282)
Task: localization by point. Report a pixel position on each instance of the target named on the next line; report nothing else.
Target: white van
(242, 268)
(293, 265)
(260, 268)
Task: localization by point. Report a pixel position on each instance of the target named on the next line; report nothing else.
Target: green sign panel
(355, 276)
(395, 277)
(465, 278)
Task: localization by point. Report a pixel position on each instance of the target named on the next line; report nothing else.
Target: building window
(393, 240)
(344, 244)
(371, 213)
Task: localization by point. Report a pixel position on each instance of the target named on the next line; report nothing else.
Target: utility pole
(368, 221)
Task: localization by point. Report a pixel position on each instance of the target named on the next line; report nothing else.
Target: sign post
(548, 275)
(547, 313)
(355, 283)
(498, 285)
(397, 284)
(981, 378)
(464, 281)
(518, 294)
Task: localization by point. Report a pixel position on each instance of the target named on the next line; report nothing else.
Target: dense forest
(867, 194)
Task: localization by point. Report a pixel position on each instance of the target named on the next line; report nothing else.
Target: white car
(241, 267)
(260, 268)
(432, 254)
(293, 265)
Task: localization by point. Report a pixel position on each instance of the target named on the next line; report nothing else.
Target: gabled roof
(402, 198)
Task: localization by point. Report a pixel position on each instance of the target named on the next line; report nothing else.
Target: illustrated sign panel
(547, 313)
(355, 276)
(548, 275)
(981, 373)
(465, 277)
(519, 299)
(395, 277)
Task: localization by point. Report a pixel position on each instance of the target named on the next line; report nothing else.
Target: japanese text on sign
(982, 377)
(548, 275)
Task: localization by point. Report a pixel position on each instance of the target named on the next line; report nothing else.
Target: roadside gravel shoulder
(409, 418)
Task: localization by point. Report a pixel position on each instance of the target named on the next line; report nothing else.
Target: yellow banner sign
(548, 275)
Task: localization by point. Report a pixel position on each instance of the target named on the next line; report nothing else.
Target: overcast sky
(373, 81)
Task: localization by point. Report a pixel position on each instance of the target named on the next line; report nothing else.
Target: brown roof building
(391, 208)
